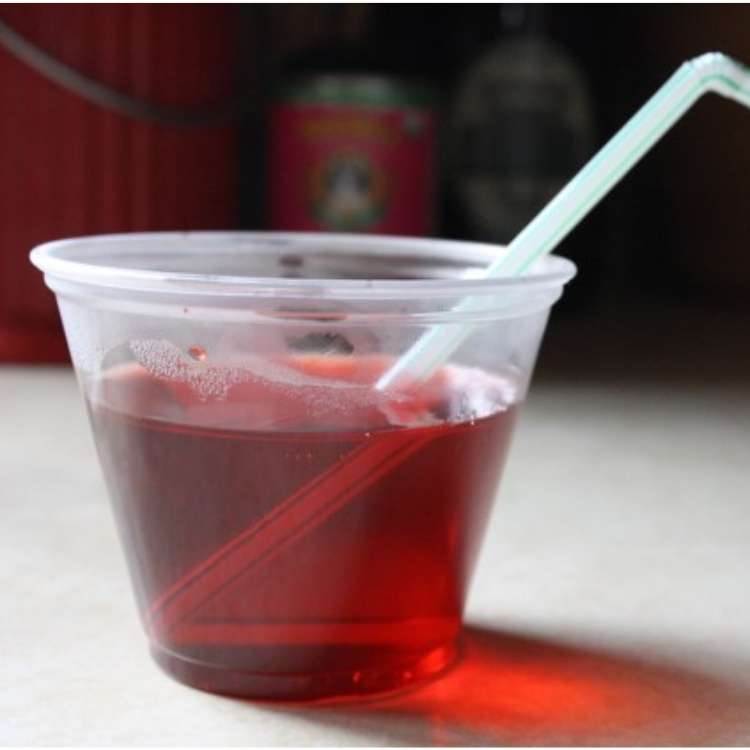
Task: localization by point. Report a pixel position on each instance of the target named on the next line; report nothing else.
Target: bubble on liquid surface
(164, 360)
(197, 353)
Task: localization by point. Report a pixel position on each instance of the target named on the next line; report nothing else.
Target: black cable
(109, 98)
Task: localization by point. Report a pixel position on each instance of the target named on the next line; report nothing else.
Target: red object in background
(71, 167)
(352, 153)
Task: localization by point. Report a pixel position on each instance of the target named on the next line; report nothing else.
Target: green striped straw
(710, 72)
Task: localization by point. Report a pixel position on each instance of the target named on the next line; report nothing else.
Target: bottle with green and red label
(352, 151)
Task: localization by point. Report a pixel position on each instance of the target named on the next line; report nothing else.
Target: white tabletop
(611, 603)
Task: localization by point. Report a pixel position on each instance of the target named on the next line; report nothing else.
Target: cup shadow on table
(510, 689)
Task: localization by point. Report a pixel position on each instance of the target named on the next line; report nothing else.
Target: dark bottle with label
(521, 124)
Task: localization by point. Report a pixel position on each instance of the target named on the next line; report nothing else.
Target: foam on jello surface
(309, 392)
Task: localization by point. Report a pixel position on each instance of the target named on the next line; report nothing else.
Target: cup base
(344, 685)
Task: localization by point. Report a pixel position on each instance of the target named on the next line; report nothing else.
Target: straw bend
(723, 75)
(711, 72)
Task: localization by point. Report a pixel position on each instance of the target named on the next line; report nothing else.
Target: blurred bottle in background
(521, 123)
(352, 138)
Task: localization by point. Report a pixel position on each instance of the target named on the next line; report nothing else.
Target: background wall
(673, 234)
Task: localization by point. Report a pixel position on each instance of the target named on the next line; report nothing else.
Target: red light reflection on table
(512, 689)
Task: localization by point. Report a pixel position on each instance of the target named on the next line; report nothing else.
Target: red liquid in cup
(301, 536)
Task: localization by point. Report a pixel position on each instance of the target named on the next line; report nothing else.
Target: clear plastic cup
(291, 531)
